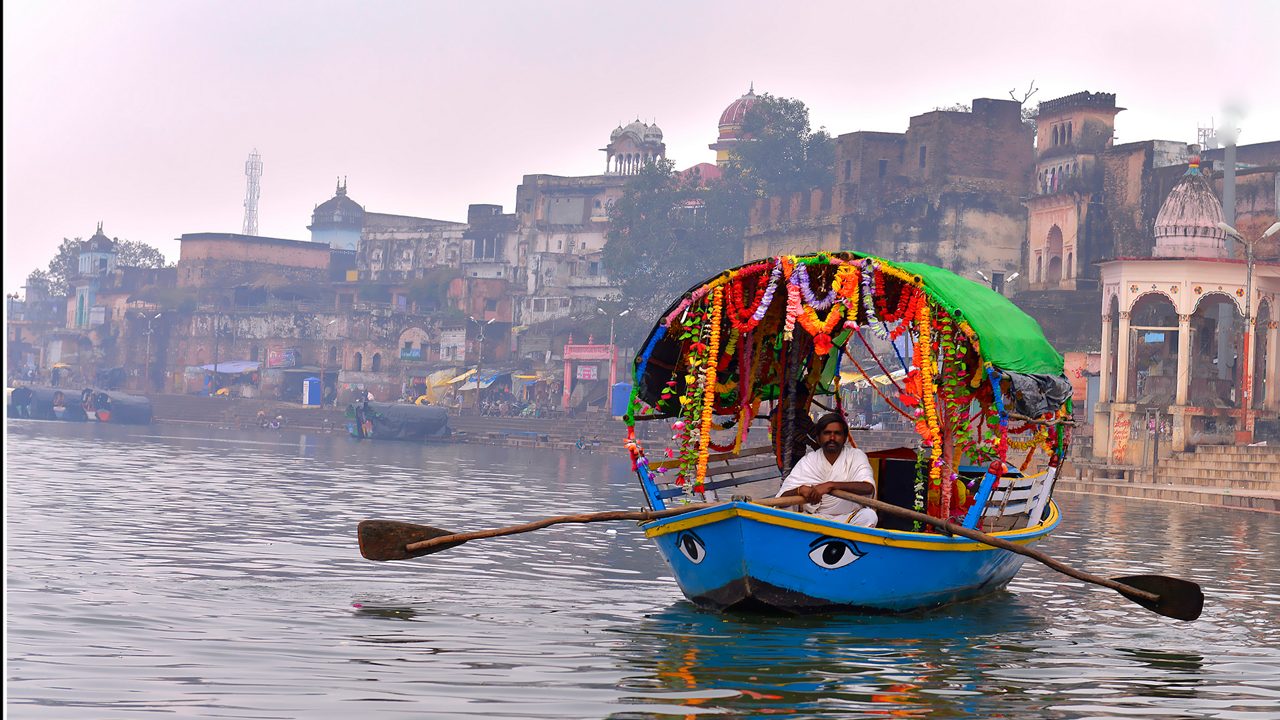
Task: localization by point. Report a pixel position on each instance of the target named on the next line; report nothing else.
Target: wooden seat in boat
(725, 470)
(1014, 499)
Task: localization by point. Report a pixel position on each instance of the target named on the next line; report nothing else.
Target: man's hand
(813, 493)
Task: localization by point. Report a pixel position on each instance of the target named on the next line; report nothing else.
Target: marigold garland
(708, 403)
(726, 367)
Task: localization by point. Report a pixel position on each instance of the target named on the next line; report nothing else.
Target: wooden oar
(394, 540)
(1168, 596)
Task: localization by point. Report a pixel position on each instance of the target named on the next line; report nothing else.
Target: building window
(593, 268)
(923, 151)
(539, 305)
(357, 362)
(848, 169)
(1055, 135)
(490, 304)
(884, 168)
(1068, 132)
(253, 353)
(377, 362)
(997, 282)
(564, 302)
(487, 248)
(333, 356)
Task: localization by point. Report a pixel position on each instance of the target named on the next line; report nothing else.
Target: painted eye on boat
(831, 553)
(691, 546)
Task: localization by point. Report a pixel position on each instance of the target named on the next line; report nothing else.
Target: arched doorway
(1216, 330)
(1053, 249)
(1153, 350)
(376, 365)
(358, 362)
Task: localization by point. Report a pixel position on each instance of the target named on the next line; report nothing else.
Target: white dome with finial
(1187, 224)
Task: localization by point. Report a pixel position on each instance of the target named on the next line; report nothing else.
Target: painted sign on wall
(282, 357)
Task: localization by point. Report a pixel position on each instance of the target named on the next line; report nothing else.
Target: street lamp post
(479, 357)
(1246, 377)
(146, 372)
(613, 351)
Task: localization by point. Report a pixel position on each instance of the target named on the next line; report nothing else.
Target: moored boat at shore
(67, 404)
(397, 421)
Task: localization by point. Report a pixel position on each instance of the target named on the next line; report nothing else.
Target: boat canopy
(1006, 339)
(952, 357)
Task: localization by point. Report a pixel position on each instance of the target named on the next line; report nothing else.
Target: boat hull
(742, 556)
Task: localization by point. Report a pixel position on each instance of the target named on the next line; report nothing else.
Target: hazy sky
(141, 114)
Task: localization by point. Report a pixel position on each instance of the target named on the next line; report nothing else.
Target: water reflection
(158, 570)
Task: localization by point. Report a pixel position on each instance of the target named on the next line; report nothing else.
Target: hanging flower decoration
(735, 349)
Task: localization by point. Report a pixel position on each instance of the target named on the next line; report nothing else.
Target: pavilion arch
(1153, 349)
(1139, 298)
(1263, 352)
(1239, 302)
(1217, 327)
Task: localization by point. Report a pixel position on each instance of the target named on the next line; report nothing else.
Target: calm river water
(161, 572)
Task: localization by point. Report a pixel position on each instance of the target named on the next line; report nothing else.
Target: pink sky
(141, 114)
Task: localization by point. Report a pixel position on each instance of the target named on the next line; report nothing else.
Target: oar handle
(605, 516)
(985, 539)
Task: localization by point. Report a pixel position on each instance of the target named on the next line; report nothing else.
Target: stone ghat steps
(1218, 479)
(1250, 450)
(1187, 494)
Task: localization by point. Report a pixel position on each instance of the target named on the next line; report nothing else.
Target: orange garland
(709, 397)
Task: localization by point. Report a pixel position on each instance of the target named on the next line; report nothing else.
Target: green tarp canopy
(1010, 339)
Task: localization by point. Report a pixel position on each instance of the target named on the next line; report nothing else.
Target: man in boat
(833, 465)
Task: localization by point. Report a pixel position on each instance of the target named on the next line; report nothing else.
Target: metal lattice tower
(1207, 137)
(252, 171)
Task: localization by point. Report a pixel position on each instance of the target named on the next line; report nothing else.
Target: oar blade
(386, 539)
(1179, 599)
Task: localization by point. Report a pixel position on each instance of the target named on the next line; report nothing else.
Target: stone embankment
(1245, 477)
(595, 432)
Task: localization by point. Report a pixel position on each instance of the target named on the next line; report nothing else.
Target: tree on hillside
(63, 266)
(781, 152)
(66, 262)
(431, 292)
(139, 254)
(671, 230)
(37, 284)
(668, 231)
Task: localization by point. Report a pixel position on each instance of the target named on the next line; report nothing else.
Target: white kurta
(813, 469)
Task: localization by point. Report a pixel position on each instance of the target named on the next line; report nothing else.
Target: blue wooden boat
(730, 354)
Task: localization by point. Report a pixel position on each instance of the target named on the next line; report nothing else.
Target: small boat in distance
(69, 404)
(765, 342)
(397, 421)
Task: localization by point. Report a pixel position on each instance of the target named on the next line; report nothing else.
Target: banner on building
(282, 357)
(587, 372)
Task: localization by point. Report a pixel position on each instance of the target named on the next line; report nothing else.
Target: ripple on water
(155, 572)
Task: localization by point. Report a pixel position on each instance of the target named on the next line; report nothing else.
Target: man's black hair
(831, 417)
